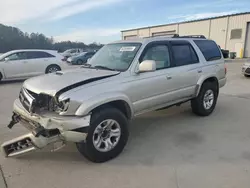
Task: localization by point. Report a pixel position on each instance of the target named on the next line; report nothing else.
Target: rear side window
(209, 49)
(184, 54)
(38, 54)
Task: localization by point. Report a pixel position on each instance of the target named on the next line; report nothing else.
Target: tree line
(12, 38)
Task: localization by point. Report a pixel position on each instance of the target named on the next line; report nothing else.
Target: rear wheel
(1, 77)
(107, 135)
(52, 68)
(205, 102)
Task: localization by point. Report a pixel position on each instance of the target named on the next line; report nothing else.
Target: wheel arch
(211, 79)
(121, 103)
(46, 70)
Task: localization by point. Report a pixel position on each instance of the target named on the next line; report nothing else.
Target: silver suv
(92, 105)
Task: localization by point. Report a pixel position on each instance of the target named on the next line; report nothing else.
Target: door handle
(169, 77)
(199, 71)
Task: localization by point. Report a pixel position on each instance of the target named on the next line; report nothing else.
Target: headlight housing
(63, 106)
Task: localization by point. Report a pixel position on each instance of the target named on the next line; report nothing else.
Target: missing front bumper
(44, 130)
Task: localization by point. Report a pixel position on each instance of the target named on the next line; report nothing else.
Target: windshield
(118, 56)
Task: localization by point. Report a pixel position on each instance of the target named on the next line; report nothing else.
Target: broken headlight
(63, 106)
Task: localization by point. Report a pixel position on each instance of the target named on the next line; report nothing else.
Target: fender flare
(87, 106)
(202, 80)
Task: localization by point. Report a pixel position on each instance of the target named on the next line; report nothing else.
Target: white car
(71, 52)
(21, 64)
(246, 69)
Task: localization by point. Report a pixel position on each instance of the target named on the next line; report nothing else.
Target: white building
(231, 32)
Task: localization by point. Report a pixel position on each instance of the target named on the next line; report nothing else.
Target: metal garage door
(247, 43)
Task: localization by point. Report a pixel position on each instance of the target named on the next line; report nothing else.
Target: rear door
(187, 69)
(39, 61)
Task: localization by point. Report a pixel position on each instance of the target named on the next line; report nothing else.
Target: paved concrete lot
(171, 148)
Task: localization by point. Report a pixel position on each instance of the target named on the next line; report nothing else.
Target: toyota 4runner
(92, 105)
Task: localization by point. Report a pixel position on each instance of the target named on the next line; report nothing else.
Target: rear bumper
(222, 82)
(44, 129)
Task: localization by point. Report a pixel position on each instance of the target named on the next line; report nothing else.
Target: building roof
(216, 17)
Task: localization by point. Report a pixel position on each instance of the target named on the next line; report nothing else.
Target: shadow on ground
(152, 138)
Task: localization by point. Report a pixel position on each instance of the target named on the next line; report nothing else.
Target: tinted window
(37, 55)
(160, 54)
(184, 54)
(209, 49)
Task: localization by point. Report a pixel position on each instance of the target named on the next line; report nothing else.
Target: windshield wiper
(103, 67)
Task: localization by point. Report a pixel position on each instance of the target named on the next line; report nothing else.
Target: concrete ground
(171, 148)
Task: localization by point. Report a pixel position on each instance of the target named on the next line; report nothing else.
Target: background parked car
(20, 64)
(246, 69)
(81, 58)
(71, 52)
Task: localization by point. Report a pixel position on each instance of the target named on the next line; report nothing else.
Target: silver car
(246, 69)
(93, 105)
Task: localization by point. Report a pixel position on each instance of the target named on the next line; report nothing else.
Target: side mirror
(6, 59)
(147, 66)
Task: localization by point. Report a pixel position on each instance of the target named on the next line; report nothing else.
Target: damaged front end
(40, 114)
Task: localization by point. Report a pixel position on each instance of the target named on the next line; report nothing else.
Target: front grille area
(35, 103)
(26, 99)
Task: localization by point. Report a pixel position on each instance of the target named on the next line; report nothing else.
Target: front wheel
(107, 135)
(205, 102)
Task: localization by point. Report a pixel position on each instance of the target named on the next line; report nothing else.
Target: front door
(149, 90)
(16, 65)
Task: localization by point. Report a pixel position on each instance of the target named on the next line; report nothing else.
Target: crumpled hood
(55, 83)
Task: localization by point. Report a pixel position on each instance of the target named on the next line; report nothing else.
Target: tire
(247, 76)
(79, 62)
(52, 68)
(197, 104)
(1, 76)
(89, 148)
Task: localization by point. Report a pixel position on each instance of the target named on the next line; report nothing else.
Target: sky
(102, 20)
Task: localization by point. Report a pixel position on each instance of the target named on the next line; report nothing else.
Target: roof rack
(177, 36)
(163, 36)
(189, 36)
